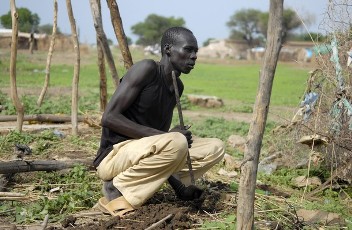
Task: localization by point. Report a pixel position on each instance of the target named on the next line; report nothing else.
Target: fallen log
(20, 166)
(41, 118)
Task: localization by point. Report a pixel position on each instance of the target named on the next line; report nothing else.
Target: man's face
(184, 53)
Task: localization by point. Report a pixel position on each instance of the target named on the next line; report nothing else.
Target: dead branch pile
(323, 123)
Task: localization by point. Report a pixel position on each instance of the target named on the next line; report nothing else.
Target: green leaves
(26, 20)
(77, 191)
(152, 28)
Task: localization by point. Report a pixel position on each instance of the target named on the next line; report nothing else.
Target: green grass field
(236, 82)
(239, 82)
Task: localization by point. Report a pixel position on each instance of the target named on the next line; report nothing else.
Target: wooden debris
(313, 139)
(40, 165)
(159, 222)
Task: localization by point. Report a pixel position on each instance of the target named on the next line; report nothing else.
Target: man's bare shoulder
(146, 64)
(140, 73)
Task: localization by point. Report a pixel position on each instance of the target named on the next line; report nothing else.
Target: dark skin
(180, 58)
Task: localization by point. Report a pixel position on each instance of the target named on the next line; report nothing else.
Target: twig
(159, 222)
(179, 109)
(211, 215)
(6, 211)
(14, 198)
(84, 214)
(11, 194)
(45, 222)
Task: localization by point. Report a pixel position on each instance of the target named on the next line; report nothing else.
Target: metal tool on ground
(180, 116)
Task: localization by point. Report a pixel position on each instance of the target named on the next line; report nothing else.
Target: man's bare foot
(110, 191)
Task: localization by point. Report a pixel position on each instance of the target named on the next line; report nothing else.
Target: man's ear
(167, 49)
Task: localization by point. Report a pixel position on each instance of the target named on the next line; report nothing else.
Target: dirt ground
(217, 199)
(165, 207)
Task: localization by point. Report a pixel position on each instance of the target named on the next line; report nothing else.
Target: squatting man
(138, 150)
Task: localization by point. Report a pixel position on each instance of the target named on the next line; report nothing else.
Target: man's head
(180, 46)
(172, 35)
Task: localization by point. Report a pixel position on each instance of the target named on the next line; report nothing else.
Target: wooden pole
(98, 24)
(20, 166)
(182, 125)
(245, 205)
(102, 76)
(119, 32)
(75, 79)
(48, 59)
(14, 41)
(41, 118)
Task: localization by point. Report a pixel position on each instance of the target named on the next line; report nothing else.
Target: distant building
(239, 49)
(40, 41)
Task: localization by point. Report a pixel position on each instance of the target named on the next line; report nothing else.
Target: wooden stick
(86, 214)
(120, 33)
(11, 194)
(98, 25)
(21, 198)
(180, 116)
(45, 222)
(14, 95)
(76, 69)
(40, 165)
(41, 118)
(102, 76)
(159, 222)
(48, 59)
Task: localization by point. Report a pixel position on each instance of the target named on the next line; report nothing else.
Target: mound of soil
(164, 211)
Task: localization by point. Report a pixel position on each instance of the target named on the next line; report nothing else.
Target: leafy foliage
(77, 190)
(228, 223)
(52, 105)
(42, 139)
(48, 29)
(150, 30)
(219, 127)
(244, 24)
(251, 25)
(27, 21)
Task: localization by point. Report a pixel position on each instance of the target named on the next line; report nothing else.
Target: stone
(205, 101)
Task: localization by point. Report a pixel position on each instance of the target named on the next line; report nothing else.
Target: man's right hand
(190, 192)
(185, 132)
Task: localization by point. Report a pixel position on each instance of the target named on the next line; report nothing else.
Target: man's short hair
(170, 36)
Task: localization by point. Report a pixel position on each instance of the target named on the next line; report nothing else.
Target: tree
(291, 21)
(48, 29)
(252, 25)
(316, 37)
(244, 24)
(27, 21)
(150, 30)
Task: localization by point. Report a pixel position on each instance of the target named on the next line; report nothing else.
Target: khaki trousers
(139, 167)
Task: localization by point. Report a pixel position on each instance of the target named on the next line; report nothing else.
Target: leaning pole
(246, 196)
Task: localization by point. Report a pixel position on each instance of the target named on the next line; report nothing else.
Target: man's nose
(194, 55)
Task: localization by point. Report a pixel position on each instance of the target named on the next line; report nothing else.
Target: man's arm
(124, 96)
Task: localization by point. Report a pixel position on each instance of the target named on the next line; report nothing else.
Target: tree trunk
(245, 206)
(102, 74)
(48, 59)
(75, 79)
(119, 32)
(98, 24)
(16, 101)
